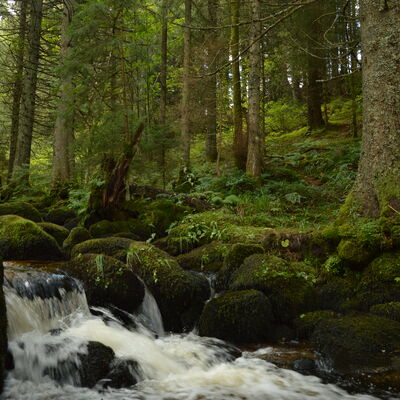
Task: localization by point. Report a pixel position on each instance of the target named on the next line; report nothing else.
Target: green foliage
(283, 117)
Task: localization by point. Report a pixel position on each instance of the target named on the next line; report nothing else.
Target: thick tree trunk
(64, 125)
(27, 115)
(255, 152)
(185, 128)
(164, 60)
(211, 95)
(239, 136)
(17, 91)
(377, 187)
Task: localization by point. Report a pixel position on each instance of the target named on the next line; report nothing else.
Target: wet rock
(60, 216)
(240, 316)
(22, 239)
(24, 210)
(306, 366)
(107, 281)
(58, 232)
(3, 329)
(123, 374)
(308, 322)
(387, 310)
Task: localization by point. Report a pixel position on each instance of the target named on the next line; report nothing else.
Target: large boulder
(387, 310)
(112, 246)
(360, 343)
(107, 281)
(288, 285)
(241, 316)
(3, 328)
(24, 210)
(180, 294)
(76, 236)
(106, 228)
(60, 215)
(57, 231)
(22, 239)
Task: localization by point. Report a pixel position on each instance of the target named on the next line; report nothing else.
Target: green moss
(113, 247)
(240, 316)
(355, 252)
(60, 215)
(180, 294)
(24, 210)
(22, 239)
(357, 343)
(234, 259)
(77, 235)
(205, 258)
(58, 232)
(387, 310)
(106, 228)
(288, 285)
(306, 323)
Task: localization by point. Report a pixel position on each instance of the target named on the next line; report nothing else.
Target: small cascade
(212, 277)
(40, 301)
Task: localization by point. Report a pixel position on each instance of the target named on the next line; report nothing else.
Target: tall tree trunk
(185, 128)
(211, 93)
(315, 67)
(27, 114)
(255, 152)
(377, 187)
(64, 125)
(239, 136)
(17, 91)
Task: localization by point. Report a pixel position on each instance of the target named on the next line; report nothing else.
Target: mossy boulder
(180, 294)
(24, 210)
(76, 236)
(107, 281)
(233, 260)
(205, 258)
(242, 316)
(113, 247)
(306, 323)
(288, 285)
(355, 252)
(360, 343)
(22, 239)
(3, 328)
(380, 281)
(106, 228)
(58, 232)
(60, 215)
(387, 310)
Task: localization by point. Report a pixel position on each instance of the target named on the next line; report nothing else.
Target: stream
(50, 324)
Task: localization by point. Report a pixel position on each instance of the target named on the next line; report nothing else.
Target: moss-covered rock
(205, 258)
(387, 310)
(107, 281)
(180, 294)
(22, 239)
(233, 260)
(380, 281)
(76, 236)
(355, 252)
(357, 343)
(58, 232)
(3, 329)
(127, 235)
(24, 210)
(113, 247)
(106, 228)
(306, 323)
(60, 215)
(242, 316)
(288, 285)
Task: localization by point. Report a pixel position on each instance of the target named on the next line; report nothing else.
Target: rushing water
(171, 367)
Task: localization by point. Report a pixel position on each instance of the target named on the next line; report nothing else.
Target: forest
(200, 199)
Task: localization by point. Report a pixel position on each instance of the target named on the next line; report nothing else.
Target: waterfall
(178, 367)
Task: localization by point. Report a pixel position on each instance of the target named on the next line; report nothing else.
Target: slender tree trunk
(256, 139)
(239, 137)
(211, 94)
(185, 128)
(377, 187)
(27, 115)
(64, 125)
(17, 92)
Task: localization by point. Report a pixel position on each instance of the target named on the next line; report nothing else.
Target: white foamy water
(171, 367)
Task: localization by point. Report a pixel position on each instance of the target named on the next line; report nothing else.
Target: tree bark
(17, 91)
(27, 115)
(239, 136)
(255, 152)
(211, 93)
(377, 187)
(185, 123)
(64, 125)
